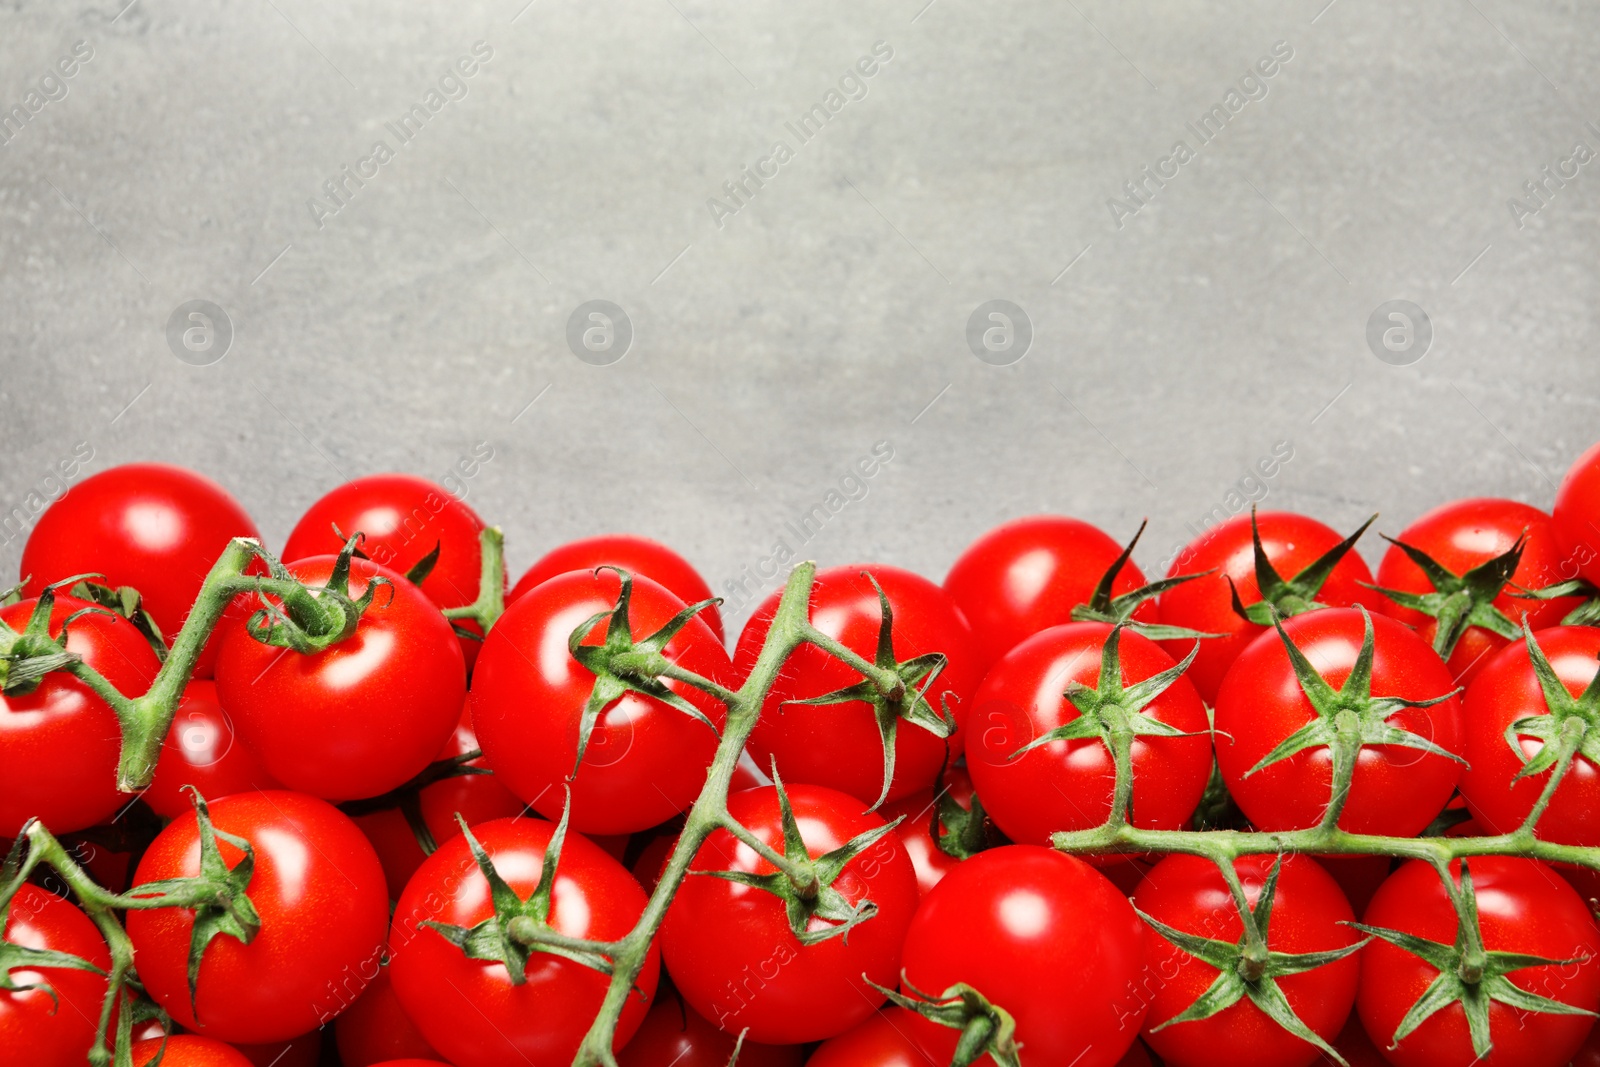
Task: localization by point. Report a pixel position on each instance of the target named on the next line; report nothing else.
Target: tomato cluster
(1270, 808)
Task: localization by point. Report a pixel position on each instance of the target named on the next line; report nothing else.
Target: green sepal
(1280, 597)
(1563, 708)
(407, 798)
(1118, 610)
(986, 1028)
(1586, 613)
(1459, 601)
(959, 832)
(312, 619)
(125, 601)
(27, 657)
(14, 957)
(423, 567)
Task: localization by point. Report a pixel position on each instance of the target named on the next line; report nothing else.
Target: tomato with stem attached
(49, 1011)
(1576, 517)
(632, 553)
(202, 749)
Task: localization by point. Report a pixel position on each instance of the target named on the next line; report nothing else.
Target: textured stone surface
(1221, 318)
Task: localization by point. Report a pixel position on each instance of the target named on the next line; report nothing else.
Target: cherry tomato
(883, 1040)
(1068, 784)
(1044, 936)
(930, 861)
(646, 761)
(1461, 535)
(186, 1050)
(839, 745)
(318, 889)
(1028, 575)
(303, 1051)
(154, 527)
(477, 797)
(1577, 519)
(1292, 543)
(1307, 914)
(634, 554)
(376, 1029)
(36, 1030)
(1505, 691)
(470, 1010)
(730, 949)
(1396, 790)
(202, 749)
(59, 744)
(360, 717)
(672, 1035)
(1523, 907)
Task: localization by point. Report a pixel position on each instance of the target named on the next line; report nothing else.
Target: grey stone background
(1228, 314)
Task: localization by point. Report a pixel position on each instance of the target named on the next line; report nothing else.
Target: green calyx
(1586, 613)
(959, 832)
(804, 884)
(1281, 597)
(1118, 610)
(1469, 974)
(310, 619)
(519, 928)
(1569, 728)
(125, 601)
(27, 657)
(622, 665)
(491, 600)
(15, 957)
(986, 1028)
(1459, 601)
(1248, 969)
(905, 700)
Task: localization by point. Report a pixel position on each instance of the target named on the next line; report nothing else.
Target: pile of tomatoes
(386, 803)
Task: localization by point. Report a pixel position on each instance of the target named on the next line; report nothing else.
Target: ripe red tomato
(59, 744)
(839, 745)
(730, 948)
(1577, 519)
(185, 1050)
(646, 761)
(1307, 914)
(360, 717)
(884, 1040)
(930, 861)
(303, 1051)
(1397, 790)
(1292, 543)
(154, 527)
(202, 749)
(1506, 691)
(1462, 535)
(319, 892)
(469, 1009)
(1068, 784)
(1523, 907)
(36, 1030)
(672, 1035)
(1044, 936)
(634, 554)
(376, 1029)
(1028, 574)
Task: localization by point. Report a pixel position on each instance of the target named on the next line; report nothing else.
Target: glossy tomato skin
(1045, 936)
(1504, 691)
(1028, 574)
(930, 861)
(672, 1035)
(187, 1050)
(202, 749)
(717, 932)
(360, 717)
(1188, 893)
(884, 1040)
(1396, 790)
(153, 526)
(1068, 785)
(634, 554)
(838, 745)
(469, 1010)
(1576, 517)
(1292, 542)
(34, 1031)
(646, 761)
(1523, 907)
(376, 1029)
(1461, 535)
(59, 744)
(319, 891)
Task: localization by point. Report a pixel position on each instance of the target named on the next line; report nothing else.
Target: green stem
(491, 602)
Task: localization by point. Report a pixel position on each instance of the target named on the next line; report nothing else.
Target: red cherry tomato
(1577, 520)
(469, 1010)
(883, 1040)
(360, 717)
(376, 1029)
(1461, 535)
(646, 761)
(303, 1051)
(1028, 575)
(1505, 691)
(1044, 936)
(718, 934)
(1292, 543)
(930, 861)
(202, 749)
(154, 527)
(1396, 790)
(1308, 914)
(1523, 907)
(634, 554)
(36, 1029)
(838, 745)
(1068, 784)
(59, 744)
(672, 1035)
(185, 1050)
(319, 891)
